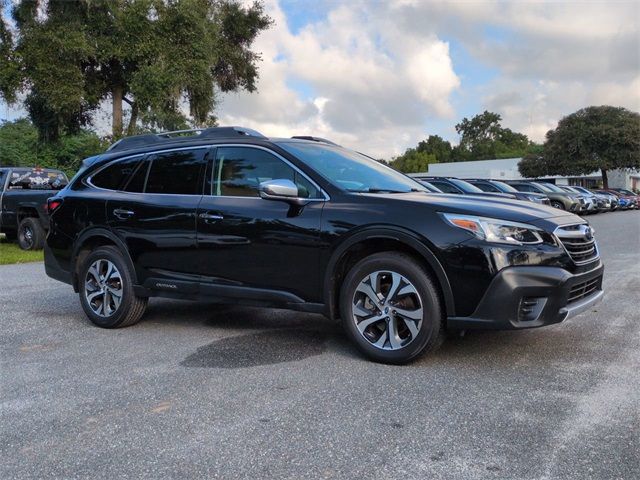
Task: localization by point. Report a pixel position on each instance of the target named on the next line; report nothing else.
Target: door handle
(123, 214)
(210, 217)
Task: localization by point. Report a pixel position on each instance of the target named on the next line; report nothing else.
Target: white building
(507, 169)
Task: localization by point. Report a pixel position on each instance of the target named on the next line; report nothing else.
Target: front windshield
(465, 186)
(504, 187)
(350, 170)
(625, 191)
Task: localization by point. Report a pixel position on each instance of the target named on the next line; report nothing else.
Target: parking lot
(229, 392)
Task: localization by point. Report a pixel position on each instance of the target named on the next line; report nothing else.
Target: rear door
(155, 215)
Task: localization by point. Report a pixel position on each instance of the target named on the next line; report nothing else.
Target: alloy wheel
(103, 288)
(26, 234)
(387, 310)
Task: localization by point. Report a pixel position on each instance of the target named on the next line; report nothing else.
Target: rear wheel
(30, 234)
(391, 309)
(106, 290)
(557, 204)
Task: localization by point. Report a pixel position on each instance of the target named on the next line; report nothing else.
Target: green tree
(593, 138)
(483, 138)
(533, 166)
(413, 161)
(153, 55)
(20, 146)
(436, 145)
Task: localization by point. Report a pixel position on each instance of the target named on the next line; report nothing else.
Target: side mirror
(281, 189)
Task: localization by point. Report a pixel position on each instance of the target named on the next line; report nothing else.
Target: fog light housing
(530, 308)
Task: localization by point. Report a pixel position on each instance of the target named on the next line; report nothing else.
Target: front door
(155, 214)
(247, 241)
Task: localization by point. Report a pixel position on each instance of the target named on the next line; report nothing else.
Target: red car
(630, 200)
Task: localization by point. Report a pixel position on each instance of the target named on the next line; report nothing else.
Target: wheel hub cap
(387, 310)
(103, 288)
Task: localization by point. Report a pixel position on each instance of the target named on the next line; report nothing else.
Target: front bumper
(533, 296)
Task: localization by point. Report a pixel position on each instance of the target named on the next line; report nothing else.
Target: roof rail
(315, 139)
(137, 141)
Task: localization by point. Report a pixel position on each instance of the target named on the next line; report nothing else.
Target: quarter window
(176, 172)
(115, 176)
(238, 172)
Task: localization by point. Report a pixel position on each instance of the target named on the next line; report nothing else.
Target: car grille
(584, 289)
(579, 242)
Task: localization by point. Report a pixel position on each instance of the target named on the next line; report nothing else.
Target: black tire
(130, 308)
(557, 204)
(30, 234)
(430, 333)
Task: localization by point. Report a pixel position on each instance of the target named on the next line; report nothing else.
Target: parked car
(591, 201)
(629, 193)
(460, 187)
(23, 198)
(603, 201)
(625, 202)
(497, 186)
(558, 197)
(228, 215)
(613, 199)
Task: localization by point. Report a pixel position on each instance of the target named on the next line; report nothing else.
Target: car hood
(483, 206)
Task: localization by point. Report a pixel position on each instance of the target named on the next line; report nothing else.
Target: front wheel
(556, 204)
(391, 309)
(106, 290)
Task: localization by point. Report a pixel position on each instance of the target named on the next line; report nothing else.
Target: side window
(115, 175)
(3, 176)
(523, 187)
(486, 187)
(238, 172)
(177, 172)
(446, 187)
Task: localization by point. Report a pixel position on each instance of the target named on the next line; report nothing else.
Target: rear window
(38, 179)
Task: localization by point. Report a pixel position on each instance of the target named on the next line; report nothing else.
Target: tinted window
(138, 179)
(445, 187)
(523, 187)
(486, 187)
(115, 175)
(239, 171)
(176, 172)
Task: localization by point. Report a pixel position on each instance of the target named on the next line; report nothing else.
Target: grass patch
(10, 253)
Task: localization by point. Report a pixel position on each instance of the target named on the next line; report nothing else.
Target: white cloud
(374, 87)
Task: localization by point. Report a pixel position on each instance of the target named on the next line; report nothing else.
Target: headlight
(495, 230)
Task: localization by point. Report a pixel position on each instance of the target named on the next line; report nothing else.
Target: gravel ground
(198, 390)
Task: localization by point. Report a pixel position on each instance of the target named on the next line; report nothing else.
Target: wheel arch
(91, 239)
(379, 239)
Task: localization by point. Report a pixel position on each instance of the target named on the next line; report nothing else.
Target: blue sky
(382, 75)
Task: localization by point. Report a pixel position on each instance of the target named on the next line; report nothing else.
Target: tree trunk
(131, 129)
(117, 94)
(605, 179)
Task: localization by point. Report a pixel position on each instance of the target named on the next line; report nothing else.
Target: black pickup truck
(23, 203)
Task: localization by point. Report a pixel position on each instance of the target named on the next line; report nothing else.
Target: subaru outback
(226, 215)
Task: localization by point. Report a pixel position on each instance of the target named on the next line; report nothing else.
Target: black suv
(228, 215)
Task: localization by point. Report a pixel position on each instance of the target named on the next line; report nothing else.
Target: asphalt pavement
(198, 390)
